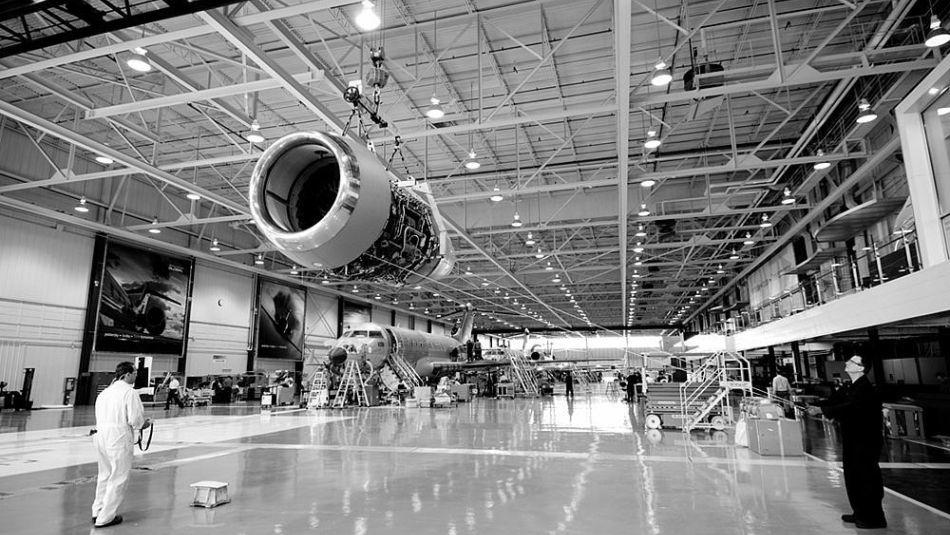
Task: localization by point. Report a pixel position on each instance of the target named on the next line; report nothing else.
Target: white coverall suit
(119, 414)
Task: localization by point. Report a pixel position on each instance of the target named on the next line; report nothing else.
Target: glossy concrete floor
(542, 466)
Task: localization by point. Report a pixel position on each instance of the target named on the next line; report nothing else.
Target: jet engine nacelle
(326, 201)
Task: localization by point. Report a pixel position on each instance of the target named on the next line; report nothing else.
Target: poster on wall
(281, 310)
(355, 314)
(143, 301)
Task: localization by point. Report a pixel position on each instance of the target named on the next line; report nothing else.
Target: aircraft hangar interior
(474, 266)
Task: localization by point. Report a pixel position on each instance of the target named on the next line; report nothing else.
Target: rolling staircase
(526, 384)
(405, 371)
(720, 374)
(319, 394)
(351, 384)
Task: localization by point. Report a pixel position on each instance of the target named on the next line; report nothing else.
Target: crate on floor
(210, 493)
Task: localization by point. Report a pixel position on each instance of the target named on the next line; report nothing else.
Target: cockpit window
(359, 334)
(375, 334)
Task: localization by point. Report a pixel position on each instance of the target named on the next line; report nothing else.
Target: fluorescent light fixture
(661, 74)
(138, 62)
(937, 36)
(819, 166)
(367, 19)
(81, 207)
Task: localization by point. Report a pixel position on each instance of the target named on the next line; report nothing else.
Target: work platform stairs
(404, 371)
(706, 391)
(319, 393)
(351, 386)
(526, 384)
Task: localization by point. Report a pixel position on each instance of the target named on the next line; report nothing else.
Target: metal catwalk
(506, 466)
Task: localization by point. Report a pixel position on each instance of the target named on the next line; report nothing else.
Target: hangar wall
(44, 275)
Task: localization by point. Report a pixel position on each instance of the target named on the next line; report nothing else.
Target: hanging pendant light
(643, 210)
(214, 246)
(472, 164)
(937, 36)
(652, 142)
(137, 61)
(648, 183)
(530, 240)
(254, 135)
(293, 270)
(154, 228)
(259, 260)
(496, 195)
(539, 254)
(734, 255)
(765, 223)
(866, 114)
(748, 239)
(367, 19)
(661, 74)
(104, 160)
(81, 207)
(822, 165)
(788, 198)
(641, 232)
(516, 221)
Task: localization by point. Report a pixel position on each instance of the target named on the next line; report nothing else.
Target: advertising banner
(281, 310)
(143, 301)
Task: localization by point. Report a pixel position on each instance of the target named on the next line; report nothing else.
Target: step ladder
(525, 381)
(351, 383)
(319, 394)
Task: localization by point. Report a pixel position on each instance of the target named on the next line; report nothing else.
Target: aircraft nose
(337, 355)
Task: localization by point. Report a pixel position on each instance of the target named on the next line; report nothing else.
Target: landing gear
(653, 421)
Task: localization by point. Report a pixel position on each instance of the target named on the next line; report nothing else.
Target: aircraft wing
(447, 366)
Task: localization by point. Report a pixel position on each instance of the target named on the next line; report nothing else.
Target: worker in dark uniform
(858, 413)
(569, 384)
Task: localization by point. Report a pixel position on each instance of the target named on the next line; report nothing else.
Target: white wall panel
(402, 320)
(321, 324)
(44, 280)
(220, 321)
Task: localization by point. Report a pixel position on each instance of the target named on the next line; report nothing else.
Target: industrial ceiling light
(293, 270)
(643, 210)
(765, 223)
(937, 36)
(259, 260)
(516, 221)
(472, 164)
(496, 195)
(154, 229)
(638, 248)
(661, 74)
(748, 239)
(104, 160)
(866, 114)
(787, 197)
(640, 232)
(549, 267)
(138, 62)
(254, 135)
(214, 246)
(530, 240)
(193, 196)
(81, 207)
(367, 19)
(435, 111)
(943, 111)
(734, 255)
(556, 279)
(468, 271)
(819, 166)
(648, 183)
(325, 281)
(539, 254)
(355, 289)
(651, 143)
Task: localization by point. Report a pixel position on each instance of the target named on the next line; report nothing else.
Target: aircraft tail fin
(465, 330)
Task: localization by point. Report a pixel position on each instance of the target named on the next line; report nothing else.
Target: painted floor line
(891, 491)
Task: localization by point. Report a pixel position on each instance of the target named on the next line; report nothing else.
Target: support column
(797, 359)
(770, 363)
(874, 357)
(943, 342)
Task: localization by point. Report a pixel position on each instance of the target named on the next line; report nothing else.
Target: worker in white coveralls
(119, 414)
